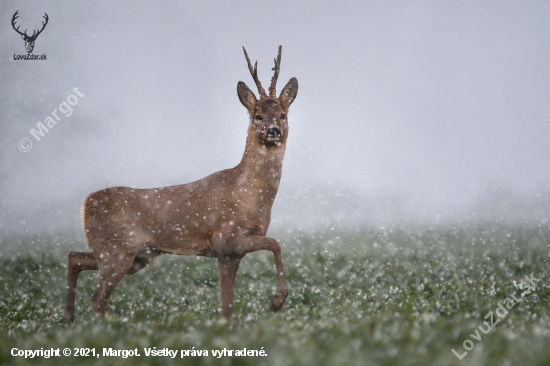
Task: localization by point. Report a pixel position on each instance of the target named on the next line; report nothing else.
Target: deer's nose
(273, 134)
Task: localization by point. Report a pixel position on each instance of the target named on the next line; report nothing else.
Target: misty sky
(411, 110)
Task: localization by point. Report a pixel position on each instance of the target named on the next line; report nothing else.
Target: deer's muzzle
(273, 134)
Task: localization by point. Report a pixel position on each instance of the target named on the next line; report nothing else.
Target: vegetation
(358, 296)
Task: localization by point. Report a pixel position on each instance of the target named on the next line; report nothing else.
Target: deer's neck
(261, 166)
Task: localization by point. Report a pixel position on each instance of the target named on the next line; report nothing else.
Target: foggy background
(411, 111)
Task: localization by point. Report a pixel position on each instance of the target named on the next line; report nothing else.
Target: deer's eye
(259, 118)
(283, 116)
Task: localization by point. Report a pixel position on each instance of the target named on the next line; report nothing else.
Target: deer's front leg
(227, 271)
(252, 243)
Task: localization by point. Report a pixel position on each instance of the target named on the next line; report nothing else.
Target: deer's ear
(289, 92)
(247, 98)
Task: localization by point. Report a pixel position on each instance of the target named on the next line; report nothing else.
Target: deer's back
(180, 219)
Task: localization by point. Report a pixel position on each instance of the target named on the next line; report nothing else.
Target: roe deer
(225, 215)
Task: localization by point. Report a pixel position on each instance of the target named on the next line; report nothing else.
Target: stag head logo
(29, 40)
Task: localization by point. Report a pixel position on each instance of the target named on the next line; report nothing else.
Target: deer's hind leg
(113, 266)
(78, 262)
(139, 263)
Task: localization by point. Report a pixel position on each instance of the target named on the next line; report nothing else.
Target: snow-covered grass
(358, 296)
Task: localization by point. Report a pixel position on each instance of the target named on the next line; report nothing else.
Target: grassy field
(378, 296)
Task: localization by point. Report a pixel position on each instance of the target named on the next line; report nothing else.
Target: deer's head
(269, 114)
(29, 40)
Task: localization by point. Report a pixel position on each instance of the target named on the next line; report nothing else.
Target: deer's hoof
(67, 316)
(71, 320)
(274, 307)
(278, 301)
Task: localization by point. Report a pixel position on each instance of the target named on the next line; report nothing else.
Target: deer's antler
(15, 16)
(254, 73)
(276, 69)
(43, 26)
(34, 34)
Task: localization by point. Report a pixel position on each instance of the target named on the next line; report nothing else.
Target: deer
(225, 215)
(29, 40)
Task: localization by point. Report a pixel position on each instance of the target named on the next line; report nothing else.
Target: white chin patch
(273, 139)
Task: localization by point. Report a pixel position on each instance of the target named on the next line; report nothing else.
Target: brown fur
(225, 215)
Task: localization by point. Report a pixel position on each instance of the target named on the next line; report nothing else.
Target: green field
(358, 296)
